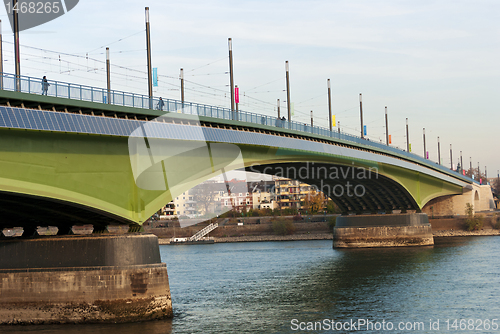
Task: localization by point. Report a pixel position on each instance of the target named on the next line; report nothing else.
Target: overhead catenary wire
(133, 77)
(116, 41)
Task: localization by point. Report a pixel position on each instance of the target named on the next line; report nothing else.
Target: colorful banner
(390, 139)
(364, 129)
(409, 147)
(333, 121)
(427, 155)
(236, 95)
(155, 76)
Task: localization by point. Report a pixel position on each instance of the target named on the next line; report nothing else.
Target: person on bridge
(45, 85)
(160, 104)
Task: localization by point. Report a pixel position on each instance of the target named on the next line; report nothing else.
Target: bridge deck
(74, 98)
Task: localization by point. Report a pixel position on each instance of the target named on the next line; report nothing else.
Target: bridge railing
(101, 95)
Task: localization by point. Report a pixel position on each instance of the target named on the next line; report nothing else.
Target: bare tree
(205, 195)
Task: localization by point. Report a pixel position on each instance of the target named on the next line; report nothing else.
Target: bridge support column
(76, 279)
(390, 230)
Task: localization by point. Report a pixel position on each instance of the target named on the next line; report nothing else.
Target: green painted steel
(95, 171)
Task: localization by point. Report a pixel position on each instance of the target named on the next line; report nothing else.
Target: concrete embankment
(441, 227)
(272, 237)
(453, 227)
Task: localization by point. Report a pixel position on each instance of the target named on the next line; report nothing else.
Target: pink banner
(237, 95)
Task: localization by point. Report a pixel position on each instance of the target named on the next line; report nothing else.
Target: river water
(283, 287)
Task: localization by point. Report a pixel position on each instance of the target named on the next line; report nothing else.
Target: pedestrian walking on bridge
(45, 85)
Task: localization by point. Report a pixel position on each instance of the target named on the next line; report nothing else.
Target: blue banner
(155, 76)
(364, 129)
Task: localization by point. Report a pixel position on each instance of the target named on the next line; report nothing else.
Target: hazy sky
(433, 62)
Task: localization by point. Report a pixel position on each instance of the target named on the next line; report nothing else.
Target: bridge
(85, 155)
(70, 158)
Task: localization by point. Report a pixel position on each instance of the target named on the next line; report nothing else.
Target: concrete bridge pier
(389, 230)
(82, 278)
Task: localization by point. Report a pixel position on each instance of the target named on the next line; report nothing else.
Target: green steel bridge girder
(94, 172)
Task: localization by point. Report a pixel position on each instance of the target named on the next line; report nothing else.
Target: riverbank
(257, 238)
(457, 233)
(441, 227)
(329, 236)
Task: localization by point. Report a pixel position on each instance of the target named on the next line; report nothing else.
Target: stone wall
(479, 196)
(390, 230)
(84, 294)
(38, 284)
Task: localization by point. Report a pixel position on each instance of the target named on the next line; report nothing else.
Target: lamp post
(461, 162)
(425, 150)
(330, 104)
(1, 57)
(386, 128)
(439, 152)
(148, 46)
(288, 104)
(451, 158)
(361, 114)
(407, 137)
(17, 53)
(108, 75)
(231, 78)
(181, 76)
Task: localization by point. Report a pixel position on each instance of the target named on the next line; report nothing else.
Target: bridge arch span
(107, 163)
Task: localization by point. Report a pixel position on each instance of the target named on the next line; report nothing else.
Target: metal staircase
(201, 233)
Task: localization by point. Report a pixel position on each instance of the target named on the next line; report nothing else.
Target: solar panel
(51, 121)
(68, 123)
(24, 117)
(12, 118)
(94, 125)
(2, 121)
(104, 124)
(111, 126)
(114, 125)
(76, 123)
(84, 123)
(101, 127)
(41, 123)
(124, 125)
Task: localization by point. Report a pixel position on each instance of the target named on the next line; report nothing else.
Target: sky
(433, 62)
